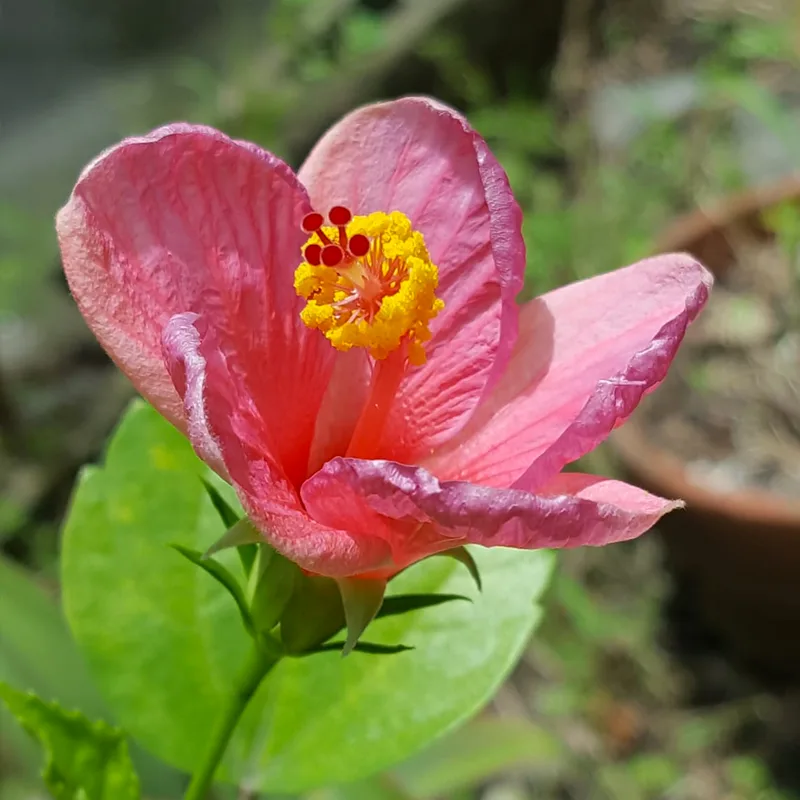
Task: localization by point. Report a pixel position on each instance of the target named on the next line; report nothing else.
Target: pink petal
(421, 158)
(187, 220)
(219, 411)
(341, 408)
(572, 511)
(586, 355)
(611, 492)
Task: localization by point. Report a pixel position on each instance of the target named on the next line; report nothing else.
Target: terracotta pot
(739, 552)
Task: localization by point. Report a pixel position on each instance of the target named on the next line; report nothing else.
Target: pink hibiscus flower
(370, 387)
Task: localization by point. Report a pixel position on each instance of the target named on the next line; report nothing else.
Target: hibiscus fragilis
(370, 387)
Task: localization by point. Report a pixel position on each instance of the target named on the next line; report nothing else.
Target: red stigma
(313, 254)
(312, 222)
(359, 245)
(332, 255)
(339, 215)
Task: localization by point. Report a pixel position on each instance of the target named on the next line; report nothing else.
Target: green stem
(260, 662)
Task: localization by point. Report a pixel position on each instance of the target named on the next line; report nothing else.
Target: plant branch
(260, 662)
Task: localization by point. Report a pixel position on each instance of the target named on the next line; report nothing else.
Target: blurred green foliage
(84, 760)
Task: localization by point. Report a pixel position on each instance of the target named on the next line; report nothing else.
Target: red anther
(312, 222)
(313, 254)
(359, 245)
(332, 255)
(339, 215)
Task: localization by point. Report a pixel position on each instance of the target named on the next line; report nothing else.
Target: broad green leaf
(165, 643)
(84, 760)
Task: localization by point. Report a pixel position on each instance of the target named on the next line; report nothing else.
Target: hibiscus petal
(572, 511)
(187, 220)
(341, 407)
(611, 492)
(586, 355)
(225, 424)
(419, 157)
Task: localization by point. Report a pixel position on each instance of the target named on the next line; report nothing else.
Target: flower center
(369, 282)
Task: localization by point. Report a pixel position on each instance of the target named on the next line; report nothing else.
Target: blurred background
(666, 667)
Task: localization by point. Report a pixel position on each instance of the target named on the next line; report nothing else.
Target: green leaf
(403, 603)
(84, 760)
(220, 574)
(165, 642)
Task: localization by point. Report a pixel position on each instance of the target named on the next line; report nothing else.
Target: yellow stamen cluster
(381, 300)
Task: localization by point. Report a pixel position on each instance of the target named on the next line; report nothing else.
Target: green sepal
(247, 555)
(272, 583)
(231, 519)
(362, 599)
(313, 614)
(84, 760)
(226, 512)
(373, 648)
(401, 603)
(462, 555)
(223, 577)
(242, 533)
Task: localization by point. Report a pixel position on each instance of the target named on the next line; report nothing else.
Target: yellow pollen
(382, 300)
